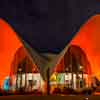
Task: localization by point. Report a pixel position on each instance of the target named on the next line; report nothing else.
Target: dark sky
(47, 25)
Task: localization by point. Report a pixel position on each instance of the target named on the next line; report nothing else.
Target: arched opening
(72, 71)
(77, 67)
(25, 75)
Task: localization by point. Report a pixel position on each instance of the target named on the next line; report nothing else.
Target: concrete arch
(22, 59)
(79, 57)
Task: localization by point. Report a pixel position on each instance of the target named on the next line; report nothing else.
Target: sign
(61, 78)
(36, 81)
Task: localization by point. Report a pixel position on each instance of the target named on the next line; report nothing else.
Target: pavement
(31, 97)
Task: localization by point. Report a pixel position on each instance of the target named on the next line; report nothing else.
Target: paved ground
(31, 97)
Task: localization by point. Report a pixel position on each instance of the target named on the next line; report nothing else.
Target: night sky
(47, 25)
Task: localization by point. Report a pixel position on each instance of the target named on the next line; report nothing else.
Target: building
(86, 40)
(17, 60)
(73, 67)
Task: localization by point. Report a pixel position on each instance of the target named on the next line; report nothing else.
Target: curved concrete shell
(10, 55)
(88, 39)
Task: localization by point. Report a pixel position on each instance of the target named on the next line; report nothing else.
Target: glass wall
(29, 81)
(62, 80)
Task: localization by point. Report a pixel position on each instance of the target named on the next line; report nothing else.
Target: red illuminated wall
(9, 45)
(20, 56)
(60, 66)
(88, 38)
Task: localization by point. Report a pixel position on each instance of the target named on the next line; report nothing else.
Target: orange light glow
(60, 66)
(88, 38)
(12, 52)
(9, 43)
